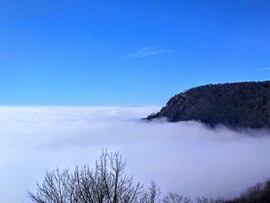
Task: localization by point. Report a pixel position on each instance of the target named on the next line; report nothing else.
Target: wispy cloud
(147, 51)
(266, 68)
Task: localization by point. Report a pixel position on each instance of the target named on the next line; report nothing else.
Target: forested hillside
(243, 104)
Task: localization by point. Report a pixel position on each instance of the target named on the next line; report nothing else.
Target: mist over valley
(183, 157)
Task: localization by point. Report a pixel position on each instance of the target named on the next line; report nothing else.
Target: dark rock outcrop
(243, 104)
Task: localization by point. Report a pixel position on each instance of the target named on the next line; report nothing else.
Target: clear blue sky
(87, 52)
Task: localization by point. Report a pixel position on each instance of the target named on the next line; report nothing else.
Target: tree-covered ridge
(243, 104)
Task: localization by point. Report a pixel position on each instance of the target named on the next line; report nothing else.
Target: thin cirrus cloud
(148, 51)
(266, 68)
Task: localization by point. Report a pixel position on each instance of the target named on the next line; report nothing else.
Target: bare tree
(107, 183)
(150, 195)
(210, 200)
(175, 198)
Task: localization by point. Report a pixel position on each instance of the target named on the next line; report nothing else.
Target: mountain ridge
(236, 105)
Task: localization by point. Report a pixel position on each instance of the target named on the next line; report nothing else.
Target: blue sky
(88, 52)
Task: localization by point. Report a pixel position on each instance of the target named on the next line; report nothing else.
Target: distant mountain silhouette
(243, 104)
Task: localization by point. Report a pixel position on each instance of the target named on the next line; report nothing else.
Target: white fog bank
(183, 157)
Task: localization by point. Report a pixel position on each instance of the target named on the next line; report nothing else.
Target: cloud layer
(184, 157)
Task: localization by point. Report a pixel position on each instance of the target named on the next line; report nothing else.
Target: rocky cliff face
(244, 104)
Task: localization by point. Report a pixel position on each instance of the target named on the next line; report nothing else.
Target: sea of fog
(184, 157)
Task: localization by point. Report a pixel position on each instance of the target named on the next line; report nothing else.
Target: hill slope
(243, 104)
